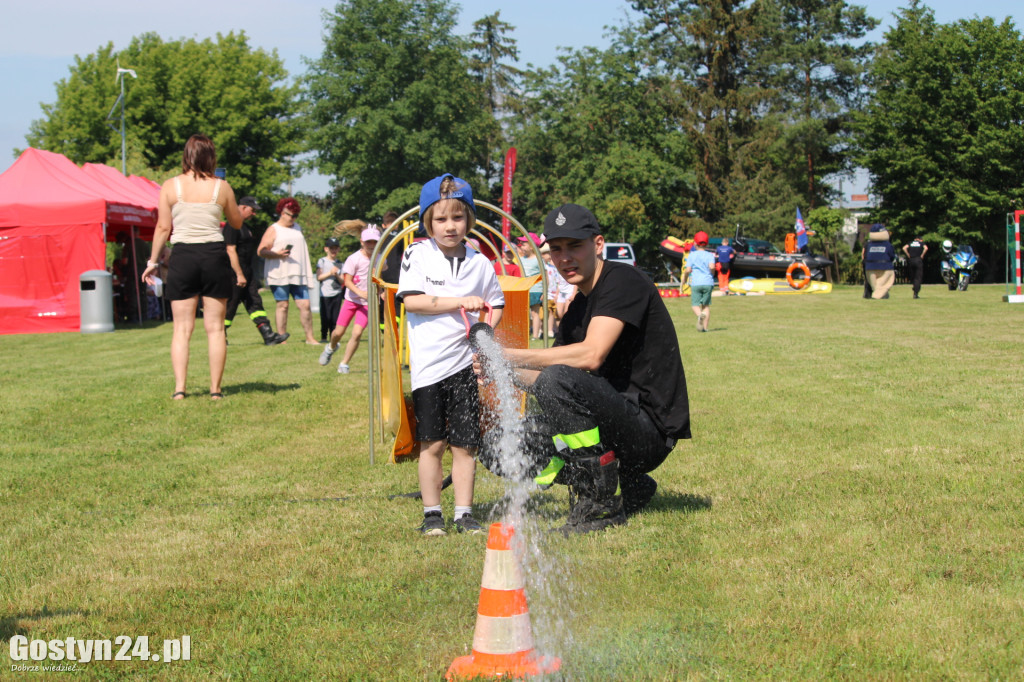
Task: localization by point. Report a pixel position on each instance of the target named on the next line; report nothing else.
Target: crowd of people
(610, 392)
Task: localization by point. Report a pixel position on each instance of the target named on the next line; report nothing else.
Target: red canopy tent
(54, 221)
(146, 184)
(148, 197)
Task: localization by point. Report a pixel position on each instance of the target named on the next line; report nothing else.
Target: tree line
(700, 114)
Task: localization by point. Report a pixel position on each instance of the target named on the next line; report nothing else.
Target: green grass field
(849, 508)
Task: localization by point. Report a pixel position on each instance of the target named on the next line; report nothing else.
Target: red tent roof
(146, 184)
(112, 178)
(44, 188)
(146, 198)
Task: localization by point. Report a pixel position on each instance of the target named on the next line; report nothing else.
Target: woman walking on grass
(190, 209)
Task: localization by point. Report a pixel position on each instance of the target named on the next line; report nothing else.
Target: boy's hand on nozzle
(473, 304)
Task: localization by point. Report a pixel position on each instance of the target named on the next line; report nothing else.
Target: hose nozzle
(473, 332)
(477, 331)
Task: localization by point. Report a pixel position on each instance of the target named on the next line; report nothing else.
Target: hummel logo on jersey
(560, 220)
(436, 282)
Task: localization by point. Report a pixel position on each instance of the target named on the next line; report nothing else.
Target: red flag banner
(506, 192)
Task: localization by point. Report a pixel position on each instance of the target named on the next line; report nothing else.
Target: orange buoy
(789, 275)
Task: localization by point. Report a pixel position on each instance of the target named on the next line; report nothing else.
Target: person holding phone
(289, 271)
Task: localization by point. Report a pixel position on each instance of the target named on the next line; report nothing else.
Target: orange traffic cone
(503, 641)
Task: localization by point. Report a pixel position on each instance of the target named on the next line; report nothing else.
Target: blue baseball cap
(431, 193)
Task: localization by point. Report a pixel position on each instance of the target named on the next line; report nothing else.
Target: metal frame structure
(377, 259)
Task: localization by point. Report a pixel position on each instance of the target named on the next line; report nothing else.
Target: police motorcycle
(958, 265)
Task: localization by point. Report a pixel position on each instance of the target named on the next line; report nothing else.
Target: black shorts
(199, 270)
(449, 410)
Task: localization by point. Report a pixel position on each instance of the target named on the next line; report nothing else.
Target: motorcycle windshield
(965, 250)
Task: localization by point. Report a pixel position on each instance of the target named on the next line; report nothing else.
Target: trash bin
(96, 301)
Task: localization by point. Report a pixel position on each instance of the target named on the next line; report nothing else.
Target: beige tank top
(194, 222)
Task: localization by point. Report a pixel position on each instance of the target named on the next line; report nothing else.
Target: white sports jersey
(438, 347)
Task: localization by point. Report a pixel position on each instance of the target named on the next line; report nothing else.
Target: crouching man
(611, 391)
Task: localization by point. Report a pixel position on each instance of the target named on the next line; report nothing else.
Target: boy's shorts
(449, 410)
(297, 291)
(350, 309)
(700, 294)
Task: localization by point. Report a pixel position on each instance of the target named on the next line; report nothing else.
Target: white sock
(462, 511)
(427, 510)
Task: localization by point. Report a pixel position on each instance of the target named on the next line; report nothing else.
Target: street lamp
(120, 100)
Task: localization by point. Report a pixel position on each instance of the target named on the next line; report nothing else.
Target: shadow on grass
(552, 506)
(684, 502)
(9, 624)
(259, 387)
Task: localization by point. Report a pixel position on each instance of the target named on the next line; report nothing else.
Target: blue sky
(42, 37)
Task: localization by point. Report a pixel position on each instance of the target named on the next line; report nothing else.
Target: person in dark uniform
(915, 251)
(611, 391)
(245, 242)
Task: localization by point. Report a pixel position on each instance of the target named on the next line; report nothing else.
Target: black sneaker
(433, 524)
(467, 524)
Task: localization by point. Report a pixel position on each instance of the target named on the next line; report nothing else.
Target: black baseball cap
(331, 241)
(571, 221)
(250, 202)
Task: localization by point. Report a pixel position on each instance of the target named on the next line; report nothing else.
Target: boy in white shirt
(439, 277)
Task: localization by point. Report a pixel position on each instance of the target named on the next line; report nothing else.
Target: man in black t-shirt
(245, 243)
(612, 390)
(915, 251)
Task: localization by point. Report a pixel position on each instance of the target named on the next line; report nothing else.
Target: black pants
(330, 307)
(574, 401)
(249, 295)
(916, 273)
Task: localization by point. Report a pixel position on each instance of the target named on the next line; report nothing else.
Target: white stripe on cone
(501, 571)
(503, 635)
